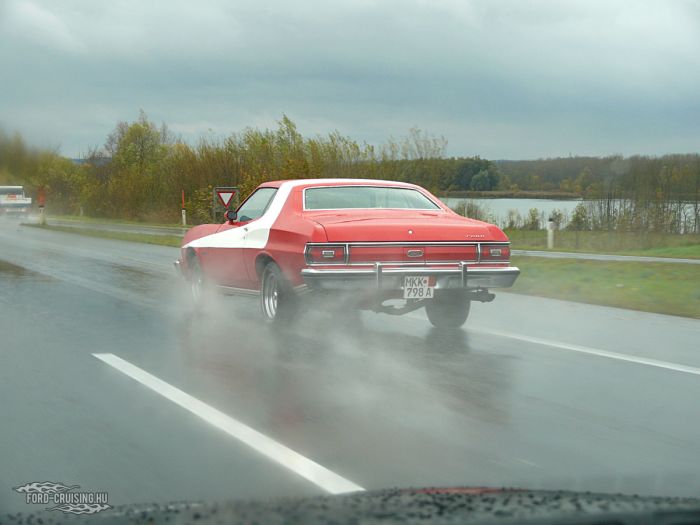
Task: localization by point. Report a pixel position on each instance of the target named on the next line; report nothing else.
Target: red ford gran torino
(378, 245)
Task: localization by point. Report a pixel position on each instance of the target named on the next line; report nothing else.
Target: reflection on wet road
(382, 401)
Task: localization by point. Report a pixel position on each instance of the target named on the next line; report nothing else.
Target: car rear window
(343, 197)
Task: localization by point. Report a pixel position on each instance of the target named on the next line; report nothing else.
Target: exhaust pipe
(482, 296)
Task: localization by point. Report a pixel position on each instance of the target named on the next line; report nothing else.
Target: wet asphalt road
(533, 392)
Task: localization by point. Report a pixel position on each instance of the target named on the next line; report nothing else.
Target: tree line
(142, 168)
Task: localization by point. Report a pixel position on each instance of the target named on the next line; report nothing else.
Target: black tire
(199, 287)
(448, 309)
(278, 302)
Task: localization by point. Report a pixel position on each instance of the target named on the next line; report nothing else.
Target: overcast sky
(500, 79)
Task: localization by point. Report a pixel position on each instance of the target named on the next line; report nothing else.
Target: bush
(579, 219)
(532, 222)
(473, 210)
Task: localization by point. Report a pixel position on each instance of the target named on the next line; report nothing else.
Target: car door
(223, 260)
(228, 260)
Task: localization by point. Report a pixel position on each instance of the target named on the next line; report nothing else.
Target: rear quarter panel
(287, 241)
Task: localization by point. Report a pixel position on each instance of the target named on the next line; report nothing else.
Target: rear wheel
(448, 309)
(277, 299)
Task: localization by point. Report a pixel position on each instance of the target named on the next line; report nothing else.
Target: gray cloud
(506, 79)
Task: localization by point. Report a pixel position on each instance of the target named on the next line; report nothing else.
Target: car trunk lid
(414, 236)
(411, 226)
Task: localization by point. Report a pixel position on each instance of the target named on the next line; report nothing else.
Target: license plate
(417, 288)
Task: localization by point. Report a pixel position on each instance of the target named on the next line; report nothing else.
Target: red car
(379, 245)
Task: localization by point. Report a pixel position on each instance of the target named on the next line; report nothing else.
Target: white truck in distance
(13, 201)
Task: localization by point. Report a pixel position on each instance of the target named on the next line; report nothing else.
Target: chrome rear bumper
(381, 277)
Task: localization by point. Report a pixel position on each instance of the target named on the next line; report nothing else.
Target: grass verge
(102, 220)
(619, 243)
(162, 240)
(664, 288)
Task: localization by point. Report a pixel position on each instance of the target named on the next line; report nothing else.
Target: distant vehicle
(13, 201)
(364, 242)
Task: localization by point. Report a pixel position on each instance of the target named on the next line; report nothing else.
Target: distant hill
(576, 174)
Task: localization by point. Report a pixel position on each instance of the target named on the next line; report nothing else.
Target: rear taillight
(495, 252)
(325, 254)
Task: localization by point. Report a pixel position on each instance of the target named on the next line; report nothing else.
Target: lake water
(498, 209)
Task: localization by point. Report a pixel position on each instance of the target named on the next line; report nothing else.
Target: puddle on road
(139, 280)
(16, 282)
(12, 271)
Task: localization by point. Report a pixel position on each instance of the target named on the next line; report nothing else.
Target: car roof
(307, 183)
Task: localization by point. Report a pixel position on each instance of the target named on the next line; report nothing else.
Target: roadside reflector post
(184, 213)
(41, 200)
(550, 234)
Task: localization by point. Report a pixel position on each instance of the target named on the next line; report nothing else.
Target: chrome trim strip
(412, 270)
(472, 262)
(408, 243)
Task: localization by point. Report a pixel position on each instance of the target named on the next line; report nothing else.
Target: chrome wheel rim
(270, 296)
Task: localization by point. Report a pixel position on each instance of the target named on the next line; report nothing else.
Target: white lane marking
(301, 465)
(592, 351)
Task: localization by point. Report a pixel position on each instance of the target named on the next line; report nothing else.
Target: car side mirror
(230, 216)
